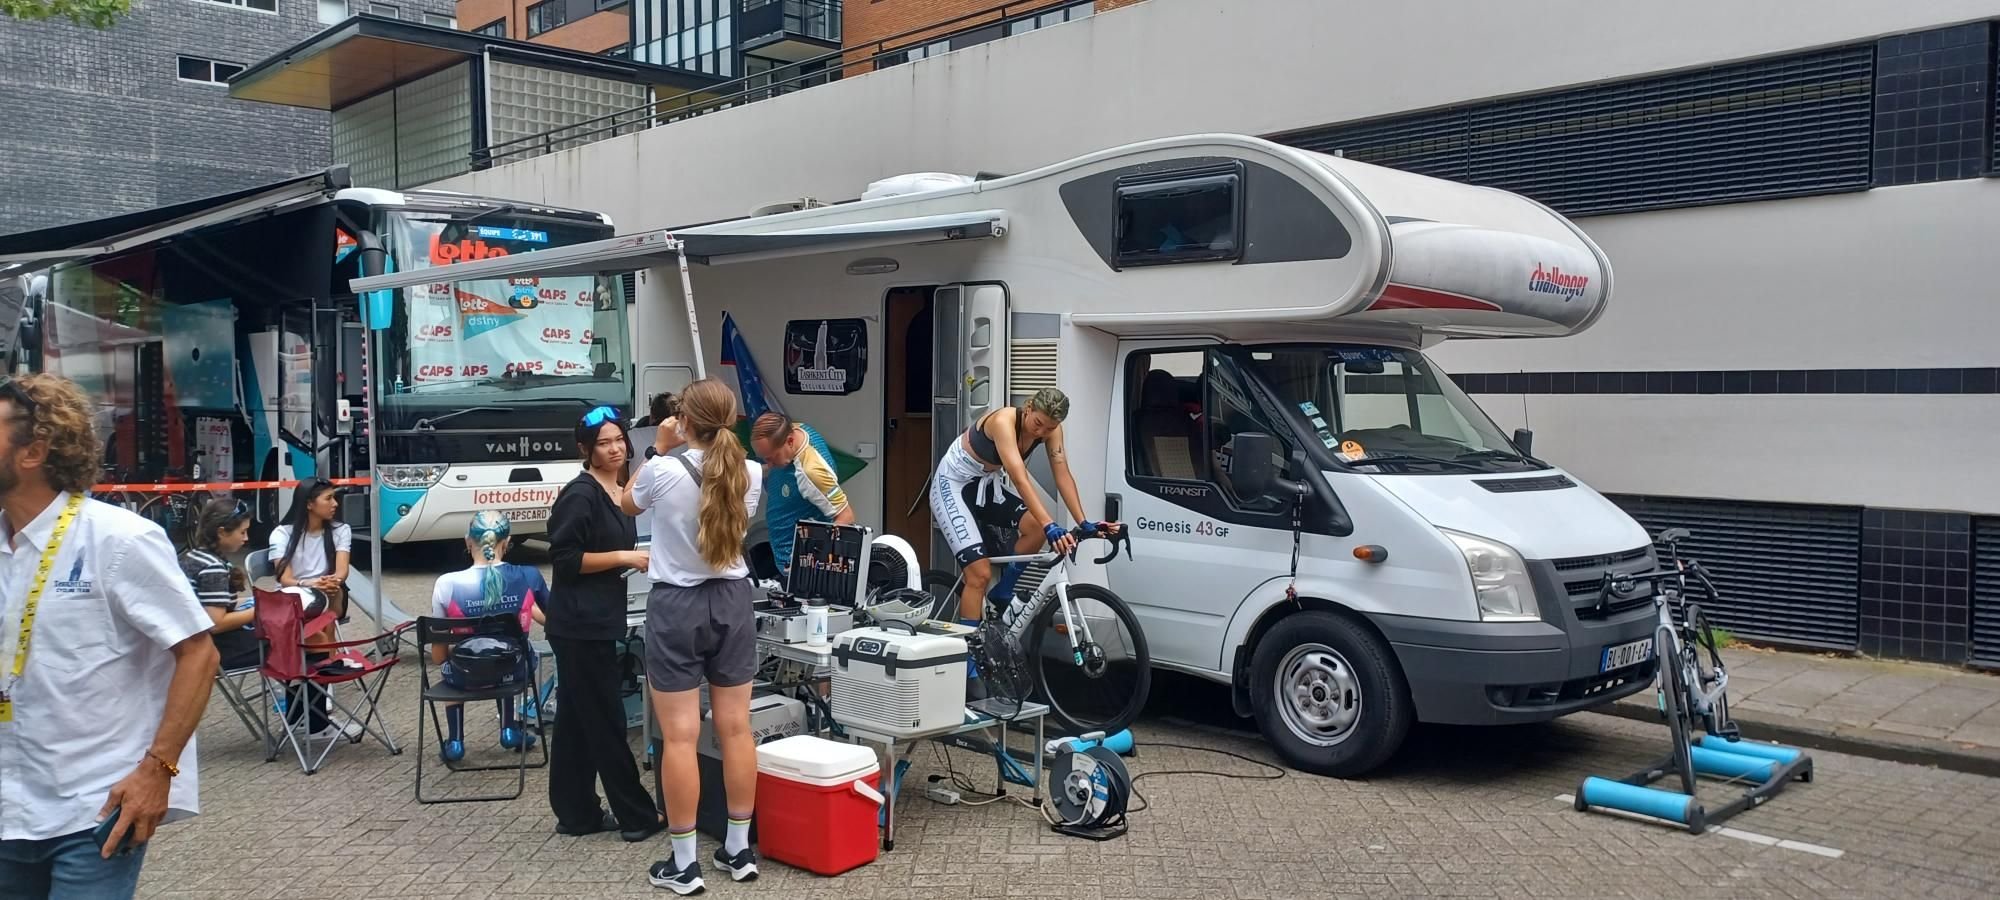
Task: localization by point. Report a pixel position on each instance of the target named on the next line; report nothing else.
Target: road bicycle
(1694, 683)
(1693, 691)
(1096, 677)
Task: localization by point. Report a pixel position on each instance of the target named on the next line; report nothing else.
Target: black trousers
(589, 744)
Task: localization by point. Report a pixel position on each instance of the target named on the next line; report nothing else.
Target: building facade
(138, 115)
(587, 26)
(1797, 359)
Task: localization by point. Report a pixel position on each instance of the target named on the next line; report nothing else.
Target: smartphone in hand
(102, 834)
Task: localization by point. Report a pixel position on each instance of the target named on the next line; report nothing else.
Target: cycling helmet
(484, 663)
(312, 600)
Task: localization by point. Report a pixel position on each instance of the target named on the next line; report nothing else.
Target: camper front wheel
(1328, 694)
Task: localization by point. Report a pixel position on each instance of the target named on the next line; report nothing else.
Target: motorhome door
(969, 367)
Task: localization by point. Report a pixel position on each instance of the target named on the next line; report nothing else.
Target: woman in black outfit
(592, 542)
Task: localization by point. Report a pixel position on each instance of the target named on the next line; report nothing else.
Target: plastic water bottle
(816, 612)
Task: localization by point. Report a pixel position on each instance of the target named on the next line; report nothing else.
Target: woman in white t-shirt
(700, 622)
(312, 549)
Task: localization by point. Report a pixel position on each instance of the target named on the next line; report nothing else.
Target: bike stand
(1772, 766)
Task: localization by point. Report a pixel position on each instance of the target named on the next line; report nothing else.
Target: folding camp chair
(283, 629)
(235, 685)
(433, 630)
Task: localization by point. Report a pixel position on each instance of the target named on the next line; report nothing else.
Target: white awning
(728, 242)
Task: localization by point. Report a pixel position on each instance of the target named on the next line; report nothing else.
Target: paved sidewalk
(1902, 711)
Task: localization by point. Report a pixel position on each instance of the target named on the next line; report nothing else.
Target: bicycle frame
(1681, 638)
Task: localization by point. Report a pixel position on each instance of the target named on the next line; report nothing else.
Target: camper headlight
(422, 476)
(1499, 579)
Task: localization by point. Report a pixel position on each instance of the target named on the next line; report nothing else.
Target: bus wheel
(1328, 695)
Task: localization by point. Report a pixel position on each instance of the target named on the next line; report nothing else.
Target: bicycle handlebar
(1122, 536)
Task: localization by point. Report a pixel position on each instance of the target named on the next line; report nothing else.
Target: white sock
(683, 847)
(739, 835)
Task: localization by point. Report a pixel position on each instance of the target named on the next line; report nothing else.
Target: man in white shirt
(105, 660)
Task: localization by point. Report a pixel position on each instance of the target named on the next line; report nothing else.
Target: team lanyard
(48, 563)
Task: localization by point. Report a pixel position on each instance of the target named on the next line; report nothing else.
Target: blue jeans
(67, 868)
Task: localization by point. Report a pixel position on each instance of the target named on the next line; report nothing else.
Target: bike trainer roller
(1770, 768)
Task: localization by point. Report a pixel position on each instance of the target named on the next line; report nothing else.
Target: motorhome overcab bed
(1233, 320)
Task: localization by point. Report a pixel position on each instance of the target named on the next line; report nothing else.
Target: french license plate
(1618, 656)
(526, 515)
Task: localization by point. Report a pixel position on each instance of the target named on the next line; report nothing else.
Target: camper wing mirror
(1524, 441)
(1253, 467)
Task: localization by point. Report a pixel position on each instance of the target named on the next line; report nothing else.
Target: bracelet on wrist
(173, 771)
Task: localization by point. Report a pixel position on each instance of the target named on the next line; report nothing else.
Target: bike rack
(1773, 766)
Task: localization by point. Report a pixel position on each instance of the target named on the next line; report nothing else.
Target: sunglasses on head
(13, 390)
(599, 416)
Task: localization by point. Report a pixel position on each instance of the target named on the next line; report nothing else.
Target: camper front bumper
(1498, 673)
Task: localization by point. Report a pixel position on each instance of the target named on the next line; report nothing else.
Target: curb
(1865, 742)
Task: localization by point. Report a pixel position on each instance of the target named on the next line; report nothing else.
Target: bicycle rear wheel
(943, 588)
(1708, 669)
(1109, 689)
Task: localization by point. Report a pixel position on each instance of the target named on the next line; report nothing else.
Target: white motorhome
(1234, 321)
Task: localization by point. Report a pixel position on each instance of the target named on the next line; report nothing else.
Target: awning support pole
(687, 299)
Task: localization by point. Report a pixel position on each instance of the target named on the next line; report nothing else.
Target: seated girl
(221, 529)
(489, 587)
(313, 549)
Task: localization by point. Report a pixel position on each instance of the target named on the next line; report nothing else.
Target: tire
(944, 601)
(1328, 694)
(1674, 694)
(1108, 701)
(1707, 660)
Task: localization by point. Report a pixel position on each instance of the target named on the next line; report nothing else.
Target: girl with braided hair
(489, 587)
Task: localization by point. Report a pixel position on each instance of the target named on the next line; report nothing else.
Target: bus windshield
(534, 350)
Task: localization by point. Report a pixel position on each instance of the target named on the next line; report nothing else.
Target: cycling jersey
(806, 489)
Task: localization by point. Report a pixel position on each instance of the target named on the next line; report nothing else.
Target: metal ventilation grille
(1519, 485)
(1771, 128)
(1788, 574)
(1031, 366)
(1986, 593)
(629, 283)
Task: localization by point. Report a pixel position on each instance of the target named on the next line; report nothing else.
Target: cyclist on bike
(975, 498)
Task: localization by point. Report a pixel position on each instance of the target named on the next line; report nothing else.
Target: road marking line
(1763, 840)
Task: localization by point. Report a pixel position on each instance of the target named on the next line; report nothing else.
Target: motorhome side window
(1188, 217)
(1184, 412)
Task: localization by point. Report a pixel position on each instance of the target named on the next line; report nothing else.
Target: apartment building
(103, 122)
(586, 26)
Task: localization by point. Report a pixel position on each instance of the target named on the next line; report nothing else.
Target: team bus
(229, 355)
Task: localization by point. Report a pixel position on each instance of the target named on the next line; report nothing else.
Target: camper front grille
(1985, 593)
(1788, 574)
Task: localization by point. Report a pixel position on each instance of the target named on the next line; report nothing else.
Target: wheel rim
(1318, 694)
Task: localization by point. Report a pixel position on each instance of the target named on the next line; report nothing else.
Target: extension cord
(943, 795)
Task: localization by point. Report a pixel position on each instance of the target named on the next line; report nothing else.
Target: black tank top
(986, 450)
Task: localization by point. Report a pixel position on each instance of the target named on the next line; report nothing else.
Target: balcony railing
(816, 19)
(784, 79)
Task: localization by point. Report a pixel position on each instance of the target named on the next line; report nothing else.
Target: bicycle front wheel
(1105, 690)
(1673, 693)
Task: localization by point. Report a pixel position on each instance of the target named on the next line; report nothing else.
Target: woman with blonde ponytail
(699, 620)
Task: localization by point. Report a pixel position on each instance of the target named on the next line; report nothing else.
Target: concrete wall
(96, 123)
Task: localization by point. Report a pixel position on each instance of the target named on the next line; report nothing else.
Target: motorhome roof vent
(914, 183)
(785, 206)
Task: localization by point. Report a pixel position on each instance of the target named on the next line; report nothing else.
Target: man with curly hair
(105, 660)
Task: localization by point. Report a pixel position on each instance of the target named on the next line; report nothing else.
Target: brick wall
(589, 30)
(866, 21)
(97, 123)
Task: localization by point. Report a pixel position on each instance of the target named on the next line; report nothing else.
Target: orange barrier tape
(185, 486)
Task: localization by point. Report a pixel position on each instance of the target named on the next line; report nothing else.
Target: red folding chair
(288, 638)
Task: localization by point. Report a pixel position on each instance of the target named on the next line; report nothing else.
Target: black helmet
(484, 663)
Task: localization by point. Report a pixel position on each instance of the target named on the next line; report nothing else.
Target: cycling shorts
(974, 509)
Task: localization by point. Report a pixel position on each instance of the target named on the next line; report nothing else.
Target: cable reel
(1089, 790)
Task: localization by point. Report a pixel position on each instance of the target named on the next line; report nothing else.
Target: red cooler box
(818, 803)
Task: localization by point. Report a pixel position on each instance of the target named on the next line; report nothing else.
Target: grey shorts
(707, 630)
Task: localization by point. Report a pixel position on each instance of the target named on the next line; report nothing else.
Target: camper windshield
(1404, 414)
(498, 345)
